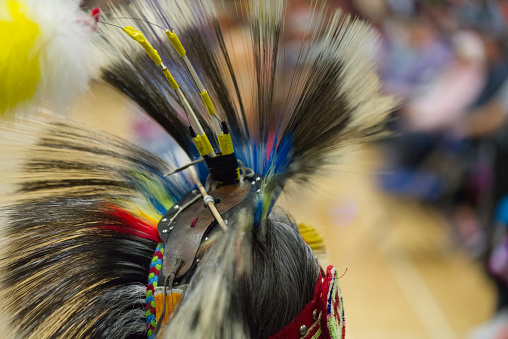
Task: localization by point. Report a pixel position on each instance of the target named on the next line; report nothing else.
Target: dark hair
(283, 277)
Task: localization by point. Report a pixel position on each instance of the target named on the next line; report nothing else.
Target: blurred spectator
(483, 15)
(489, 121)
(489, 118)
(413, 53)
(437, 104)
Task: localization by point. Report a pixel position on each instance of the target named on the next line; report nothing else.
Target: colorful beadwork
(153, 280)
(335, 320)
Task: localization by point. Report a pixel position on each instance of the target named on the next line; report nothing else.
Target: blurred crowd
(447, 62)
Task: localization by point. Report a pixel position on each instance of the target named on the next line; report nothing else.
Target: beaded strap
(153, 280)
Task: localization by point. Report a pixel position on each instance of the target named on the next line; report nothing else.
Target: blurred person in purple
(437, 104)
(413, 53)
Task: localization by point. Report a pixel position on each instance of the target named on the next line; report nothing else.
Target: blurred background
(418, 219)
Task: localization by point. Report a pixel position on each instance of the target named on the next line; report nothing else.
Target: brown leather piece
(184, 240)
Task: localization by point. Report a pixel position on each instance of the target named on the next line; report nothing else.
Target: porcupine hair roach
(80, 228)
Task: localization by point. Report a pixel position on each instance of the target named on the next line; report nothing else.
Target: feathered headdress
(103, 239)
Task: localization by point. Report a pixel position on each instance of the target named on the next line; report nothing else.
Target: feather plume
(79, 231)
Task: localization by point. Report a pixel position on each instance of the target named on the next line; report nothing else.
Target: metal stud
(206, 238)
(258, 191)
(164, 231)
(197, 261)
(176, 207)
(164, 220)
(258, 179)
(171, 228)
(253, 183)
(315, 314)
(303, 330)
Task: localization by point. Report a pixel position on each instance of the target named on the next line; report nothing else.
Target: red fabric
(323, 297)
(291, 330)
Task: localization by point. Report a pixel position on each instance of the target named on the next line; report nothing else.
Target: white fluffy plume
(63, 48)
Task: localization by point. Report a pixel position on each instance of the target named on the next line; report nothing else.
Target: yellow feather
(311, 237)
(19, 64)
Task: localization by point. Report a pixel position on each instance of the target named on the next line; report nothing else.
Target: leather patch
(183, 235)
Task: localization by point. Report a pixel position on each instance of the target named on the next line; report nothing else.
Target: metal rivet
(226, 221)
(258, 179)
(176, 207)
(171, 228)
(253, 183)
(164, 220)
(258, 191)
(195, 191)
(197, 261)
(315, 314)
(164, 231)
(206, 238)
(303, 330)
